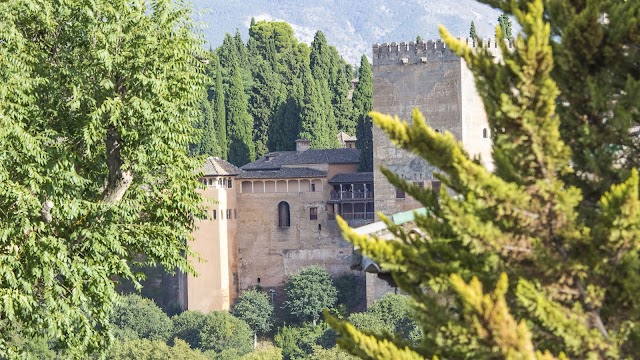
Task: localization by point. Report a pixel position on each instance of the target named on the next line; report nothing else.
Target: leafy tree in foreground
(255, 308)
(571, 258)
(309, 292)
(97, 102)
(143, 317)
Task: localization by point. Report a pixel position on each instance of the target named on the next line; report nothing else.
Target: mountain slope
(351, 25)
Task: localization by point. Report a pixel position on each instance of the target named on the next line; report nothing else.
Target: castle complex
(276, 215)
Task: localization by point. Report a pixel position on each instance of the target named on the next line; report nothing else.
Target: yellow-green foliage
(569, 247)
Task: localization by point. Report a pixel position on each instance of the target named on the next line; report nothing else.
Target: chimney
(302, 145)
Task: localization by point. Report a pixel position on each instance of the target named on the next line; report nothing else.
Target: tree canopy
(309, 292)
(542, 252)
(97, 102)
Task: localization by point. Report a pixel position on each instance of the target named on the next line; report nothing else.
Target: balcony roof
(351, 178)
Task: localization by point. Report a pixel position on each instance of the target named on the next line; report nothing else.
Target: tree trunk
(119, 180)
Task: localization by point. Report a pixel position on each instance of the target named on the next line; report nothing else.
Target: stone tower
(426, 75)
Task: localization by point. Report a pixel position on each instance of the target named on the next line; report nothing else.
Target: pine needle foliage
(554, 228)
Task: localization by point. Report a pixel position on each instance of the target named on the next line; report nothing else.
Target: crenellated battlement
(425, 51)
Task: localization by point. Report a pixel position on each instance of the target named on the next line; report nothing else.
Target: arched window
(284, 220)
(485, 133)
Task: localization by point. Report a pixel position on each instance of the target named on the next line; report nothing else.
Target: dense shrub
(137, 316)
(223, 333)
(144, 349)
(187, 326)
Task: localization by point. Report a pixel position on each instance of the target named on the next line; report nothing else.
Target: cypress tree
(266, 95)
(505, 26)
(472, 31)
(239, 122)
(362, 103)
(209, 139)
(217, 97)
(314, 124)
(285, 126)
(569, 243)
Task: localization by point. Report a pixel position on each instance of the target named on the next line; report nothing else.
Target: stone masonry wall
(426, 75)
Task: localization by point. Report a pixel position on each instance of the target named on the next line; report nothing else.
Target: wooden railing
(351, 195)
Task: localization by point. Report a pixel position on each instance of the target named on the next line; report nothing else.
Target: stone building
(272, 218)
(287, 221)
(215, 242)
(426, 75)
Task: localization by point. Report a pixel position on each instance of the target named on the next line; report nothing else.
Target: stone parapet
(425, 51)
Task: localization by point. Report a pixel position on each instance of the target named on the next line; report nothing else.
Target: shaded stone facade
(426, 75)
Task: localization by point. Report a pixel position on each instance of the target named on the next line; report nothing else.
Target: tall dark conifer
(363, 104)
(217, 97)
(239, 123)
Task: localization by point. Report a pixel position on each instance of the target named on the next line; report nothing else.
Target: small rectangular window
(214, 214)
(219, 182)
(230, 184)
(313, 187)
(313, 213)
(228, 213)
(235, 213)
(400, 194)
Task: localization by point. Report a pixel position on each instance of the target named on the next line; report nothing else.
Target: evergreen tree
(217, 97)
(569, 244)
(209, 137)
(243, 55)
(239, 122)
(314, 117)
(342, 106)
(285, 126)
(266, 95)
(472, 31)
(363, 103)
(505, 26)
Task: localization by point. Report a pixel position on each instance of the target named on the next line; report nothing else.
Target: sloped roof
(342, 137)
(359, 177)
(283, 173)
(312, 156)
(215, 166)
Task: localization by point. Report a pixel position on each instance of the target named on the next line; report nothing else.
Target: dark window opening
(485, 133)
(313, 213)
(400, 194)
(214, 214)
(229, 214)
(319, 227)
(235, 213)
(284, 219)
(313, 187)
(258, 280)
(230, 183)
(435, 185)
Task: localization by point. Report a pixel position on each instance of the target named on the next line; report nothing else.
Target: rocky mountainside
(350, 25)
